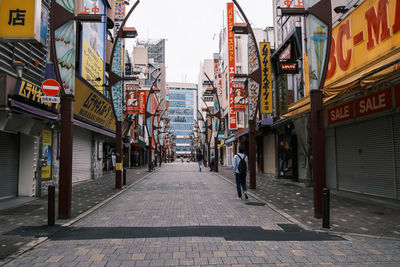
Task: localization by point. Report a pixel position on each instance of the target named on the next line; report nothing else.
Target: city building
(182, 111)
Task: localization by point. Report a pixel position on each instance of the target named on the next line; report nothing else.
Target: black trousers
(240, 183)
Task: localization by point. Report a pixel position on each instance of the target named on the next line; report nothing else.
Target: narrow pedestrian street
(178, 216)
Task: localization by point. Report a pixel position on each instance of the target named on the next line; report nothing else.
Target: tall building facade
(182, 109)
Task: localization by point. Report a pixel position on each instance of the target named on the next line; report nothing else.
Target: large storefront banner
(231, 66)
(369, 104)
(92, 46)
(65, 46)
(46, 154)
(371, 33)
(92, 107)
(20, 20)
(132, 98)
(266, 85)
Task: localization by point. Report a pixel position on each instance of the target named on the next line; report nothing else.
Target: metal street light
(319, 17)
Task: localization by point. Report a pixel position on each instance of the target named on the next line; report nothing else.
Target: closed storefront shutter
(81, 155)
(8, 165)
(396, 134)
(365, 157)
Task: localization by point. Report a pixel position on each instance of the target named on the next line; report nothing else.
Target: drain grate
(255, 203)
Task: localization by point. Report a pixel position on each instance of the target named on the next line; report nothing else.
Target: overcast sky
(191, 28)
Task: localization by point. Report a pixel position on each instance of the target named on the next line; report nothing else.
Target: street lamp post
(60, 16)
(149, 117)
(320, 17)
(217, 119)
(114, 79)
(255, 81)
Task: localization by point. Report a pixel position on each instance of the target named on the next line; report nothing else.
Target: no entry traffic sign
(50, 87)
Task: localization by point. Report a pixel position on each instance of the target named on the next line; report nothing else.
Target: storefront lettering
(340, 113)
(373, 103)
(96, 104)
(348, 36)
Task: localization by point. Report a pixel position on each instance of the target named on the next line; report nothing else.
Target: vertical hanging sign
(266, 87)
(231, 66)
(65, 47)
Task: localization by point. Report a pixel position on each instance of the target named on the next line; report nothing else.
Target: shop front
(94, 133)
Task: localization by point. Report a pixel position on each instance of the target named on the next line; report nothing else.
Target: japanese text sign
(266, 85)
(20, 19)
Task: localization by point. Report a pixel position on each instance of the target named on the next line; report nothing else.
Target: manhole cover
(255, 203)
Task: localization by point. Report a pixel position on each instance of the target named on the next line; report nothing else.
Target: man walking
(240, 167)
(200, 159)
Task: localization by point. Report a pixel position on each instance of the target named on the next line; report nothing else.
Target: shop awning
(137, 145)
(229, 140)
(34, 110)
(92, 128)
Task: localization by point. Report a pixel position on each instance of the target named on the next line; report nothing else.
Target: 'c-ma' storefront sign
(92, 107)
(370, 32)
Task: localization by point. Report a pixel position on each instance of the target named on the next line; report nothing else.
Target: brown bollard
(51, 205)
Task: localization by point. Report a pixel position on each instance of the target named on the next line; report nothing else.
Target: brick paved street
(181, 217)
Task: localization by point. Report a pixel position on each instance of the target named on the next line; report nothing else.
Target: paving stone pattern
(179, 195)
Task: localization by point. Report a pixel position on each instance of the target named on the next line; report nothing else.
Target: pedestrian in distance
(212, 163)
(240, 167)
(199, 158)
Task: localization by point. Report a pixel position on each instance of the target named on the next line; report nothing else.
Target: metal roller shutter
(8, 165)
(81, 163)
(365, 157)
(396, 135)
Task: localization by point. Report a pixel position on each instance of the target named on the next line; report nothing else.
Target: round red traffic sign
(50, 87)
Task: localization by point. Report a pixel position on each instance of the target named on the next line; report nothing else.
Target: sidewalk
(85, 195)
(179, 216)
(350, 212)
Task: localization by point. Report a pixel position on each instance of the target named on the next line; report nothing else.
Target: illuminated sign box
(20, 20)
(288, 67)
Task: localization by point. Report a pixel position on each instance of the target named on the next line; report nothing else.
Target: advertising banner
(254, 87)
(375, 102)
(92, 46)
(240, 95)
(119, 10)
(266, 85)
(231, 66)
(92, 107)
(20, 20)
(31, 93)
(46, 154)
(142, 101)
(132, 98)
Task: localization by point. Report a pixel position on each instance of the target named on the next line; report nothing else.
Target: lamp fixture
(19, 67)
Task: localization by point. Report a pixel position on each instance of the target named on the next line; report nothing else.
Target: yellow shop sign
(93, 107)
(371, 33)
(20, 19)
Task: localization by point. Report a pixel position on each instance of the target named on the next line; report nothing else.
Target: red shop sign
(397, 93)
(340, 113)
(375, 102)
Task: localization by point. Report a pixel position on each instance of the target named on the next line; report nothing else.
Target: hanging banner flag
(231, 66)
(240, 95)
(66, 49)
(266, 86)
(132, 98)
(142, 101)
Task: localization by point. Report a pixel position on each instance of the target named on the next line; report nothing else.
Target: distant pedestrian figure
(240, 167)
(199, 158)
(212, 163)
